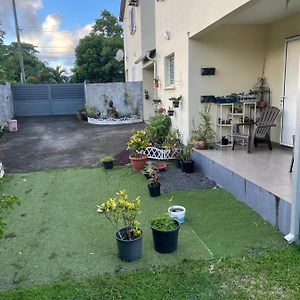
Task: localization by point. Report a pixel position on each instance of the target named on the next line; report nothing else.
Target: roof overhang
(122, 10)
(144, 58)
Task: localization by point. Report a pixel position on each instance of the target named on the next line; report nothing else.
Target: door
(291, 79)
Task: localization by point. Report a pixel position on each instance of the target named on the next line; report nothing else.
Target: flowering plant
(138, 143)
(121, 209)
(154, 178)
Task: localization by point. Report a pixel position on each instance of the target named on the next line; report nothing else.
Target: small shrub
(106, 159)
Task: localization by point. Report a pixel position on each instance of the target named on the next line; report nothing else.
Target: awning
(144, 57)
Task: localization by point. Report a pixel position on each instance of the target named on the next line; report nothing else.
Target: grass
(57, 237)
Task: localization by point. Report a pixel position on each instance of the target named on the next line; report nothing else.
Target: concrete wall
(6, 106)
(278, 32)
(127, 97)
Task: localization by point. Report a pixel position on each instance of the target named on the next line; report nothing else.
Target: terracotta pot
(200, 145)
(138, 163)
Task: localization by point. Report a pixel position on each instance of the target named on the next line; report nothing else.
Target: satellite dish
(119, 55)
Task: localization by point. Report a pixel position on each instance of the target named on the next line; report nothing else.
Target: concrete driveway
(58, 142)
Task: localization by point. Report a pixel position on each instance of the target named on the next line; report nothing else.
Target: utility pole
(22, 74)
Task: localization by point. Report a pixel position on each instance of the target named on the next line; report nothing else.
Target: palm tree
(57, 75)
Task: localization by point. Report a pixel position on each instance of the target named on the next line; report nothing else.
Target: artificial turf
(56, 233)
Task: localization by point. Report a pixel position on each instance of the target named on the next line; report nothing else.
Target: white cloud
(56, 46)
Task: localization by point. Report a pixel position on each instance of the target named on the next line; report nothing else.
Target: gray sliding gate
(47, 99)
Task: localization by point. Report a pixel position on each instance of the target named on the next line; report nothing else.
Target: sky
(54, 26)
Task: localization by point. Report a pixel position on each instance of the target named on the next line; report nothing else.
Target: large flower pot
(187, 166)
(165, 241)
(129, 250)
(138, 163)
(154, 190)
(201, 145)
(177, 212)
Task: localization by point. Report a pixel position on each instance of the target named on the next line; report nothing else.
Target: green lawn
(59, 237)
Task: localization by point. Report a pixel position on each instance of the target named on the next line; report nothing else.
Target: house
(201, 48)
(242, 40)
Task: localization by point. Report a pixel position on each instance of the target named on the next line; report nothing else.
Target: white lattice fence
(160, 154)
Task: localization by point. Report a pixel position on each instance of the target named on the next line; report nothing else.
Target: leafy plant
(6, 202)
(153, 178)
(205, 131)
(106, 159)
(121, 209)
(91, 111)
(164, 223)
(172, 140)
(158, 128)
(156, 101)
(138, 143)
(185, 153)
(176, 99)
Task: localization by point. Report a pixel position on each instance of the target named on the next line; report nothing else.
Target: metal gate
(47, 99)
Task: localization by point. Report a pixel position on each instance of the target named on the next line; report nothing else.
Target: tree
(2, 33)
(95, 53)
(57, 75)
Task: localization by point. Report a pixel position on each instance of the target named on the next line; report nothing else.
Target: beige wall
(237, 53)
(278, 32)
(148, 85)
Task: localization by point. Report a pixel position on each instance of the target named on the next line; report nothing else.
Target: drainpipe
(293, 236)
(155, 72)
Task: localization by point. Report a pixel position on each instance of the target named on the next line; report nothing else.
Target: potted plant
(82, 113)
(165, 234)
(170, 112)
(204, 135)
(156, 101)
(129, 237)
(177, 212)
(138, 144)
(149, 168)
(154, 184)
(187, 164)
(176, 100)
(107, 162)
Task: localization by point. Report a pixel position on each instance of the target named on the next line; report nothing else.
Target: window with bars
(170, 70)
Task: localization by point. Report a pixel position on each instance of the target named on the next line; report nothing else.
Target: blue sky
(54, 26)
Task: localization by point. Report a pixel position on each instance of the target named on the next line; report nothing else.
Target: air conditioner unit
(133, 2)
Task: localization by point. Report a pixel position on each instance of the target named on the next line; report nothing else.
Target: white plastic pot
(177, 212)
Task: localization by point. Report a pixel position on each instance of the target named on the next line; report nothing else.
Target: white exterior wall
(237, 53)
(6, 105)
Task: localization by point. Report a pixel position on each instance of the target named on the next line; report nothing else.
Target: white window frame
(170, 70)
(132, 20)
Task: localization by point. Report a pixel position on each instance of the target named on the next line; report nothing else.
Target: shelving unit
(229, 114)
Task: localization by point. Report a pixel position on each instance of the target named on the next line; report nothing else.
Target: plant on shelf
(158, 128)
(156, 101)
(176, 100)
(107, 162)
(204, 136)
(154, 184)
(129, 237)
(185, 157)
(165, 234)
(137, 145)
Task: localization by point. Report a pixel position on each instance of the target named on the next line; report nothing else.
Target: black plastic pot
(129, 250)
(175, 103)
(154, 190)
(165, 241)
(171, 113)
(108, 165)
(146, 174)
(187, 166)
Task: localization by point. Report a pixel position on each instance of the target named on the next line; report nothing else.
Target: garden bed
(120, 121)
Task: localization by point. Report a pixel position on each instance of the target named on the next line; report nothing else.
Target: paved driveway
(58, 142)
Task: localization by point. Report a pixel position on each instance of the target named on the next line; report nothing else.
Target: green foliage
(158, 128)
(173, 139)
(57, 75)
(95, 53)
(123, 210)
(205, 131)
(91, 111)
(153, 178)
(164, 223)
(7, 202)
(138, 143)
(106, 159)
(185, 153)
(176, 99)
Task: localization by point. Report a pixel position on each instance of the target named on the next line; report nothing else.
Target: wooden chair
(261, 129)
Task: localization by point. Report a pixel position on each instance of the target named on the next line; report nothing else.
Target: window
(132, 25)
(170, 70)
